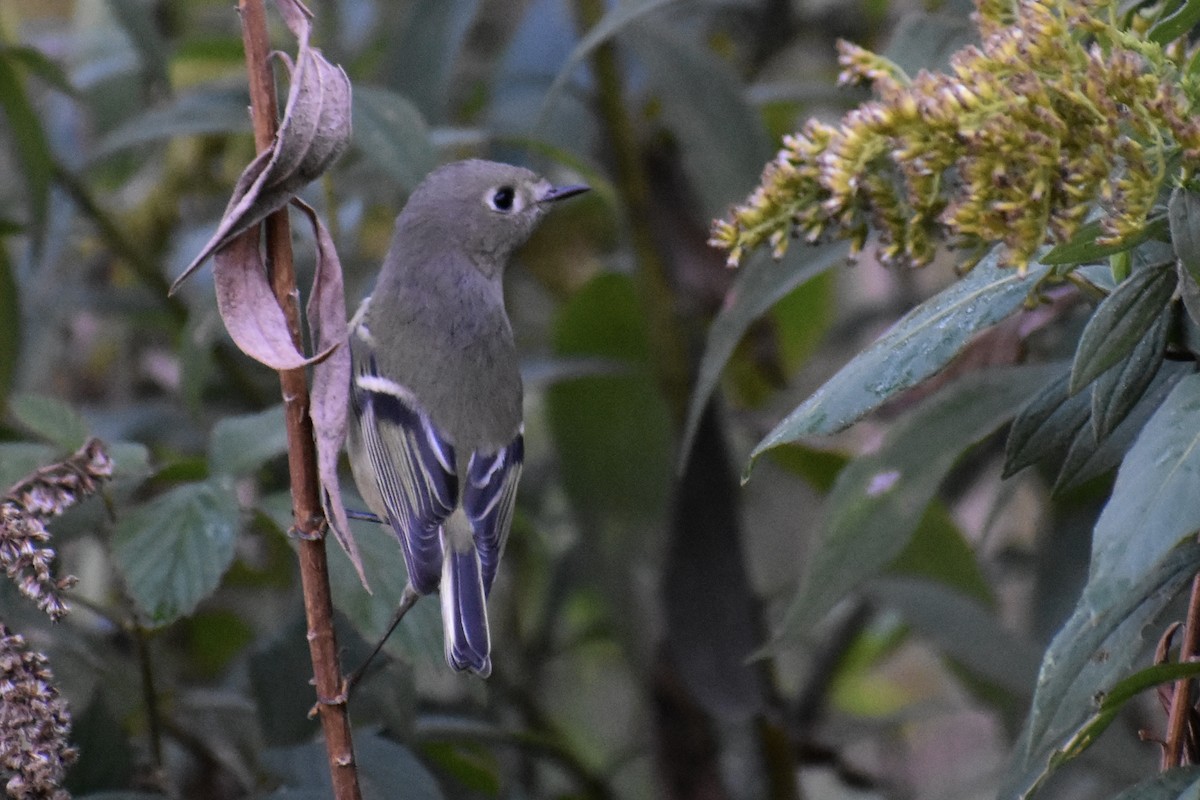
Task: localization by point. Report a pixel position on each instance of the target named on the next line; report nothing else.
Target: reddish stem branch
(1181, 699)
(302, 462)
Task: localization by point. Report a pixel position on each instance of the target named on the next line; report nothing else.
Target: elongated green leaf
(917, 346)
(173, 550)
(420, 58)
(1094, 650)
(1155, 494)
(1143, 550)
(206, 110)
(391, 134)
(964, 629)
(1045, 426)
(38, 63)
(1114, 699)
(1084, 249)
(879, 498)
(51, 419)
(240, 445)
(1119, 389)
(34, 157)
(1121, 321)
(1182, 783)
(1089, 457)
(760, 284)
(722, 141)
(1183, 211)
(939, 552)
(1177, 24)
(136, 17)
(615, 19)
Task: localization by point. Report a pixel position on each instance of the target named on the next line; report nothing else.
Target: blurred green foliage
(642, 582)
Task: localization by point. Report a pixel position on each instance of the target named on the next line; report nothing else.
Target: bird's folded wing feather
(415, 470)
(488, 498)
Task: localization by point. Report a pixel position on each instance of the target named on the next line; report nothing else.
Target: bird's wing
(488, 499)
(414, 469)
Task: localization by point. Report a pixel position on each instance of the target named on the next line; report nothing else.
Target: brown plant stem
(302, 462)
(1181, 704)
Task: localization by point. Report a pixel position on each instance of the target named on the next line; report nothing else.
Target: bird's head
(485, 208)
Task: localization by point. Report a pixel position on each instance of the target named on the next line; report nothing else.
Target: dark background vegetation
(640, 575)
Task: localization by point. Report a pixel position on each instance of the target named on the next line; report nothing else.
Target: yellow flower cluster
(1060, 110)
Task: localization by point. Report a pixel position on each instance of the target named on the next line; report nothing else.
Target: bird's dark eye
(502, 198)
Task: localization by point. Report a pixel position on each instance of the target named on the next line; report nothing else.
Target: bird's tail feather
(464, 613)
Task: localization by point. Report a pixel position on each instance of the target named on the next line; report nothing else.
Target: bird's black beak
(556, 193)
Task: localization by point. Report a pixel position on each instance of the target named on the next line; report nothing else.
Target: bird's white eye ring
(504, 199)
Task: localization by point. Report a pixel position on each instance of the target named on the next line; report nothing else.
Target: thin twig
(1181, 705)
(302, 462)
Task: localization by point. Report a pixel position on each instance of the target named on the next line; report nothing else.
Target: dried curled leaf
(247, 304)
(330, 395)
(314, 132)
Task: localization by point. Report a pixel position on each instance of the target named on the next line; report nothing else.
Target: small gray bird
(435, 438)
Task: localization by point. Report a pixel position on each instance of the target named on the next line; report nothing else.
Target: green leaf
(392, 135)
(207, 110)
(1046, 426)
(33, 154)
(10, 326)
(612, 432)
(965, 630)
(1177, 24)
(136, 17)
(917, 346)
(721, 138)
(616, 19)
(1143, 551)
(421, 56)
(1120, 388)
(1089, 457)
(19, 459)
(1183, 211)
(927, 40)
(1114, 699)
(1182, 783)
(938, 551)
(50, 419)
(1120, 322)
(1091, 652)
(819, 468)
(1084, 249)
(760, 284)
(1155, 493)
(418, 639)
(879, 499)
(37, 63)
(240, 445)
(174, 549)
(383, 767)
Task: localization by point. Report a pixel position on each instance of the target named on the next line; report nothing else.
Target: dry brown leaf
(330, 396)
(248, 307)
(314, 132)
